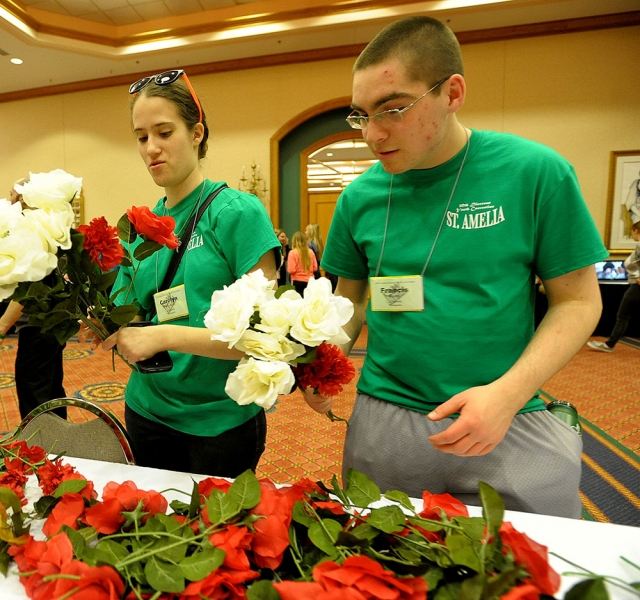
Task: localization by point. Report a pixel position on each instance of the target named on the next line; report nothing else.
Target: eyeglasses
(387, 117)
(166, 78)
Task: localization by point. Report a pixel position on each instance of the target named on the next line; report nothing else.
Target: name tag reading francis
(171, 304)
(399, 294)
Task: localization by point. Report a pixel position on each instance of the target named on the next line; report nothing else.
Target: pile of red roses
(251, 539)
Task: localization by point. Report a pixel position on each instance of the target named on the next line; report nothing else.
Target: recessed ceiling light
(16, 61)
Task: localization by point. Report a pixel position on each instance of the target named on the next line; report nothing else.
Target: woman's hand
(137, 343)
(321, 404)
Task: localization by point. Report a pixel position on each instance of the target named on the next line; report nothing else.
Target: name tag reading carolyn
(171, 304)
(404, 293)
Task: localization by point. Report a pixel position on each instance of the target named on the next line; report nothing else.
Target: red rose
(234, 541)
(533, 556)
(298, 590)
(367, 577)
(451, 506)
(329, 371)
(522, 592)
(222, 584)
(95, 583)
(206, 486)
(66, 512)
(152, 227)
(102, 243)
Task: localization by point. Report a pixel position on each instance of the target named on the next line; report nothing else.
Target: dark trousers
(300, 286)
(629, 306)
(39, 372)
(226, 455)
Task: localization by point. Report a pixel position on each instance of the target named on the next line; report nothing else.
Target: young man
(447, 234)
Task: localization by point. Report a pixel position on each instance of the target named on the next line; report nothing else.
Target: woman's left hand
(136, 343)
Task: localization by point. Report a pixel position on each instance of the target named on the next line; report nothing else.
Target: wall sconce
(255, 184)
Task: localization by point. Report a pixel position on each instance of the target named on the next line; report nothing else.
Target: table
(594, 546)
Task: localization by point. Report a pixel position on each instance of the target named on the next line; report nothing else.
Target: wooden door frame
(274, 152)
(341, 136)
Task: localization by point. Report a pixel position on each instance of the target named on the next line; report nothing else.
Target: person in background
(182, 419)
(281, 234)
(447, 232)
(630, 303)
(316, 244)
(39, 370)
(301, 262)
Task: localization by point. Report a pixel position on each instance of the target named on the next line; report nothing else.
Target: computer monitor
(611, 271)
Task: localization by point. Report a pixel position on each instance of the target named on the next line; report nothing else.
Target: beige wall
(579, 93)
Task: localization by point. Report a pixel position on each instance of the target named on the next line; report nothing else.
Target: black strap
(184, 242)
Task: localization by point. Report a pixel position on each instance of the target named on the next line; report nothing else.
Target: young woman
(314, 240)
(301, 262)
(182, 419)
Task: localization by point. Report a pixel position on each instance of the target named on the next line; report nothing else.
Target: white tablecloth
(594, 546)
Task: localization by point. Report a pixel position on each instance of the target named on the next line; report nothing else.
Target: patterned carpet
(300, 442)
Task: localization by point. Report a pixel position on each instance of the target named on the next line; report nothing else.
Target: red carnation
(330, 370)
(152, 227)
(102, 243)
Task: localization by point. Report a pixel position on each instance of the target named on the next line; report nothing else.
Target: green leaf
(365, 532)
(200, 564)
(361, 490)
(300, 515)
(388, 519)
(110, 552)
(121, 315)
(245, 490)
(106, 280)
(5, 559)
(473, 527)
(463, 551)
(324, 535)
(591, 589)
(307, 358)
(10, 499)
(72, 486)
(164, 577)
(401, 498)
(194, 503)
(221, 508)
(78, 541)
(262, 590)
(125, 231)
(146, 249)
(44, 506)
(167, 549)
(492, 507)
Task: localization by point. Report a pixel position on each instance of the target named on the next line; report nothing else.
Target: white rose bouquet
(287, 338)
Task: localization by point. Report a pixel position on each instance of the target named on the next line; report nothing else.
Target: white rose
(10, 216)
(322, 315)
(231, 309)
(259, 382)
(269, 347)
(52, 191)
(278, 315)
(256, 283)
(22, 258)
(54, 227)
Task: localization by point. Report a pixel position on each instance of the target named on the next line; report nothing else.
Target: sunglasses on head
(166, 78)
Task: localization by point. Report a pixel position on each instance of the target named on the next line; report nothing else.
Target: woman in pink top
(301, 262)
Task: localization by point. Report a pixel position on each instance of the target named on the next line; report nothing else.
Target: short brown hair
(427, 48)
(636, 226)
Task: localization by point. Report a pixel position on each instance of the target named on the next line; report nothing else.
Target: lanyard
(444, 215)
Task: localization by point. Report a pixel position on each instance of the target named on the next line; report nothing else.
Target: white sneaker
(601, 346)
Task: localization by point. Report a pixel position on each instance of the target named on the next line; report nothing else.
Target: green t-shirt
(517, 211)
(230, 238)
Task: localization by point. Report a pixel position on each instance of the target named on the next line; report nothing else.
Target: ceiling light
(16, 61)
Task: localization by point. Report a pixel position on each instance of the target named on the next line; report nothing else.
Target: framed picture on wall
(623, 201)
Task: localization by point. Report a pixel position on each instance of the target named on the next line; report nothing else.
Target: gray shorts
(536, 468)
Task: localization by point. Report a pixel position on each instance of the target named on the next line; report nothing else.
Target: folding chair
(102, 438)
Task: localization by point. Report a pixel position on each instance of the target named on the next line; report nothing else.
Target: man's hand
(321, 404)
(485, 416)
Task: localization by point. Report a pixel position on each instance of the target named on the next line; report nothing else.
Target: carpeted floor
(300, 442)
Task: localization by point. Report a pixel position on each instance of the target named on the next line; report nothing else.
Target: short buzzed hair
(428, 49)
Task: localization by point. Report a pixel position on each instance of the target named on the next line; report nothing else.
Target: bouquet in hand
(63, 276)
(287, 338)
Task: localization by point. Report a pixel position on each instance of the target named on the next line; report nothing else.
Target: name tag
(397, 294)
(171, 304)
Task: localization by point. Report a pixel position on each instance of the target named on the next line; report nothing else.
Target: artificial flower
(269, 347)
(152, 227)
(102, 243)
(278, 315)
(328, 373)
(67, 511)
(54, 228)
(322, 315)
(434, 503)
(259, 382)
(52, 191)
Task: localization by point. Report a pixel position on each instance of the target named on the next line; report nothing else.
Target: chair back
(103, 438)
